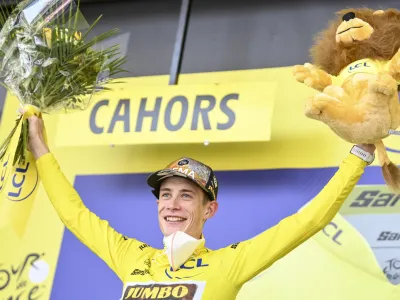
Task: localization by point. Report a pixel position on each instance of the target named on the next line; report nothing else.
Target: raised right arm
(92, 231)
(97, 234)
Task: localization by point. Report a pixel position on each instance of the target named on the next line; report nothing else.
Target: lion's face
(353, 29)
(357, 34)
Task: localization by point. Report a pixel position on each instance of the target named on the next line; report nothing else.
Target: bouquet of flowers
(48, 61)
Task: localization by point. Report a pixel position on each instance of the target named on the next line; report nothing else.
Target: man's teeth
(174, 219)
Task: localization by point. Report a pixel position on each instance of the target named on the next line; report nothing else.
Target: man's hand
(368, 147)
(36, 141)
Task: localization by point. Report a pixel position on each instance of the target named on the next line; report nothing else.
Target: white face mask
(179, 246)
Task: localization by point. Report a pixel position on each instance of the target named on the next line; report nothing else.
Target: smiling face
(182, 206)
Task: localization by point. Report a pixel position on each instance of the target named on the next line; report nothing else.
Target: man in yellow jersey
(186, 192)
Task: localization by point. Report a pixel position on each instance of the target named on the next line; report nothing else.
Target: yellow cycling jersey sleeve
(94, 232)
(255, 255)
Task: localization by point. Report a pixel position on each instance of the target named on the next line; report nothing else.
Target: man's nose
(173, 204)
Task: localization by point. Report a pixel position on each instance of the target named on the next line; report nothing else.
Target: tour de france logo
(25, 279)
(17, 182)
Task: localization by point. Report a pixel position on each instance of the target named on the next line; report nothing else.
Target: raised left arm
(247, 259)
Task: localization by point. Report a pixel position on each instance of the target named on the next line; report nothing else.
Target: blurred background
(266, 172)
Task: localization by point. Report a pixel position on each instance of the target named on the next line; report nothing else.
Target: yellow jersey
(362, 66)
(207, 274)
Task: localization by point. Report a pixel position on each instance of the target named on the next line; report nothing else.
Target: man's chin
(168, 230)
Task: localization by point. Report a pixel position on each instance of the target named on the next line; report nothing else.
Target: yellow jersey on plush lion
(356, 69)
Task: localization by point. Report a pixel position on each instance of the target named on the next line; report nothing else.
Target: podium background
(252, 40)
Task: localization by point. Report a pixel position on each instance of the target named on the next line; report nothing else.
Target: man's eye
(164, 195)
(186, 196)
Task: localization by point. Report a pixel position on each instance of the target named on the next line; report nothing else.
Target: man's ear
(211, 209)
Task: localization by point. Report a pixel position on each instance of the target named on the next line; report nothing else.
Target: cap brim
(155, 180)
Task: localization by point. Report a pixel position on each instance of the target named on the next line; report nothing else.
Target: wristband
(364, 155)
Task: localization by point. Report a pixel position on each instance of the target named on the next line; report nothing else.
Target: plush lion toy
(356, 69)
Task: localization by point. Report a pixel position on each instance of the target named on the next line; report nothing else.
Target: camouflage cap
(191, 169)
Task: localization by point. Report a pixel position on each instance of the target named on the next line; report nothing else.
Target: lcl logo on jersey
(357, 66)
(188, 265)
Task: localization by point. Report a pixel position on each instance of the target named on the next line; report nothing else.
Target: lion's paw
(383, 84)
(312, 110)
(305, 74)
(311, 76)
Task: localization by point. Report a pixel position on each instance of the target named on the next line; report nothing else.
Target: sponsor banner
(18, 186)
(184, 290)
(382, 234)
(365, 272)
(294, 141)
(371, 199)
(28, 262)
(30, 230)
(19, 183)
(172, 115)
(344, 240)
(380, 230)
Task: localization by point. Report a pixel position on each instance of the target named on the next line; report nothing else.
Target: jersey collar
(163, 258)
